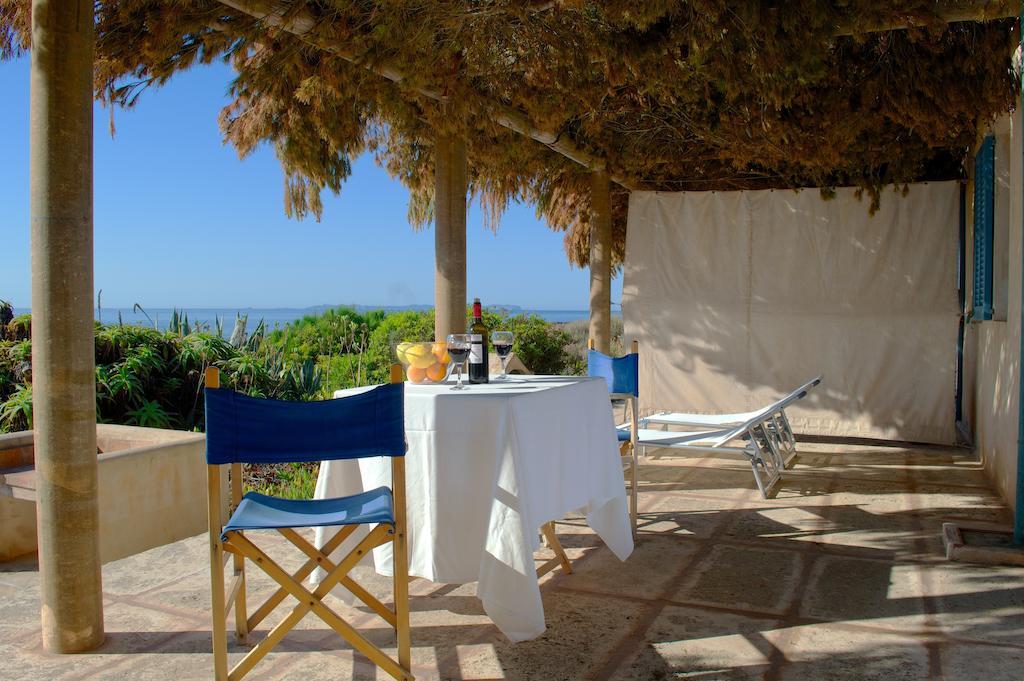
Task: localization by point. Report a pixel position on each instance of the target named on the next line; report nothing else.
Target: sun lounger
(759, 447)
(774, 416)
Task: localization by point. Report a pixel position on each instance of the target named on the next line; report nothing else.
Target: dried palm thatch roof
(664, 94)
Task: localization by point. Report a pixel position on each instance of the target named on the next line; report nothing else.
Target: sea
(159, 317)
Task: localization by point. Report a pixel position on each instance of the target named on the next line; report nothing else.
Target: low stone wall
(152, 490)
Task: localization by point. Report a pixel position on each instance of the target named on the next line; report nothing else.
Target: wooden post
(601, 261)
(450, 187)
(63, 371)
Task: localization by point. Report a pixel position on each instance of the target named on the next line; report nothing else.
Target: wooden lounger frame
(238, 547)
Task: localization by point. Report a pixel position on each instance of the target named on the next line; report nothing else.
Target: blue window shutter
(984, 198)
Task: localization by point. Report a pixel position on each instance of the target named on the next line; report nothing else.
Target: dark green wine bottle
(479, 368)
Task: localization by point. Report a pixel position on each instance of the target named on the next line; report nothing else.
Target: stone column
(63, 377)
(450, 188)
(601, 261)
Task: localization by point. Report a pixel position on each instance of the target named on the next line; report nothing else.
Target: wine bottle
(478, 365)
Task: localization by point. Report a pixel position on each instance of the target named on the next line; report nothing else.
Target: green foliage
(16, 412)
(6, 314)
(543, 347)
(19, 328)
(335, 332)
(149, 414)
(394, 329)
(289, 480)
(153, 378)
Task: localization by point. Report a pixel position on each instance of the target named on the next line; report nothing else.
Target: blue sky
(181, 221)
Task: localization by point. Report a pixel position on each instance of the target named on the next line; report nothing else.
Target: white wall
(738, 297)
(992, 358)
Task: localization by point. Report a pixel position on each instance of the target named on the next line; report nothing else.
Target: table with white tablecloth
(486, 467)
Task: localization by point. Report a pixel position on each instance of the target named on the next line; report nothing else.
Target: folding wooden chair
(242, 429)
(622, 374)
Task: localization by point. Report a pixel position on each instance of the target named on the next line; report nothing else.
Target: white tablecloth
(486, 467)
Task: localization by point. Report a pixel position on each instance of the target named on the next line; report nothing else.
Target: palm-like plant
(149, 414)
(122, 384)
(16, 412)
(6, 315)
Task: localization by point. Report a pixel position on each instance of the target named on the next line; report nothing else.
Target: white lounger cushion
(647, 437)
(683, 419)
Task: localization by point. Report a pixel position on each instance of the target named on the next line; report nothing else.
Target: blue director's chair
(622, 374)
(242, 429)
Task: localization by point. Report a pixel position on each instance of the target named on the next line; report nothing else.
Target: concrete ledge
(981, 543)
(152, 490)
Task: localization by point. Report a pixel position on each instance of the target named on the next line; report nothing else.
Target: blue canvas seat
(261, 512)
(622, 376)
(241, 429)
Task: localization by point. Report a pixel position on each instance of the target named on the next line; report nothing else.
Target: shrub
(151, 378)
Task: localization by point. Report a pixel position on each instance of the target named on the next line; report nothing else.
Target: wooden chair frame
(238, 548)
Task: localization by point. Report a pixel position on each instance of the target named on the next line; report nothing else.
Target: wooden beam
(949, 11)
(302, 23)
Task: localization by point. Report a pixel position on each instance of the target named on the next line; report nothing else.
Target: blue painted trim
(961, 290)
(984, 227)
(1018, 519)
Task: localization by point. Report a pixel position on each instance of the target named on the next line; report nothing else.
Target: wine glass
(458, 350)
(503, 346)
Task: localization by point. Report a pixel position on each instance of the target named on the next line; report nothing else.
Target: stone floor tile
(696, 643)
(581, 629)
(847, 588)
(976, 601)
(841, 575)
(656, 561)
(970, 661)
(838, 653)
(740, 577)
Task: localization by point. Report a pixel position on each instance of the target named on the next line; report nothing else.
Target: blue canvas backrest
(241, 429)
(622, 374)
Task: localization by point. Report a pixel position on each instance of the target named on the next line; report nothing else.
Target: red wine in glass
(459, 345)
(503, 346)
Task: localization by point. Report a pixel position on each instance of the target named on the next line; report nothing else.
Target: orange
(436, 372)
(416, 375)
(440, 351)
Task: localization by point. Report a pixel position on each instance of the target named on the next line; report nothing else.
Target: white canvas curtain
(738, 297)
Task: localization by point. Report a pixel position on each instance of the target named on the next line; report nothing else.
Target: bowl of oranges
(424, 362)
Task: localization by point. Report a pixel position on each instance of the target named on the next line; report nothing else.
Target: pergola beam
(949, 11)
(302, 23)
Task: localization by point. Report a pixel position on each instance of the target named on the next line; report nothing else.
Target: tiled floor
(840, 577)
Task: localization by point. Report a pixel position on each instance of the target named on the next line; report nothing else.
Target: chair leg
(220, 636)
(241, 616)
(400, 551)
(633, 490)
(549, 533)
(787, 429)
(766, 460)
